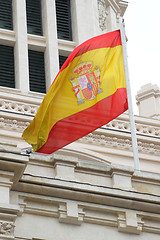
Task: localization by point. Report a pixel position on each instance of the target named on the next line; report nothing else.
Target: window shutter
(6, 14)
(63, 15)
(36, 71)
(34, 17)
(7, 78)
(62, 59)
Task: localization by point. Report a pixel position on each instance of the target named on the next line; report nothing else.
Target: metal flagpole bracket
(29, 151)
(130, 108)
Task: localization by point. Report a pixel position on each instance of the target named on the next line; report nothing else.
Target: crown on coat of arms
(82, 68)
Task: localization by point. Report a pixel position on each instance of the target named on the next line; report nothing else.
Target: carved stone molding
(101, 139)
(143, 128)
(15, 107)
(14, 101)
(120, 143)
(13, 124)
(140, 128)
(23, 109)
(37, 206)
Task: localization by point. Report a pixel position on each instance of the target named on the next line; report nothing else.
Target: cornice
(113, 4)
(118, 6)
(123, 6)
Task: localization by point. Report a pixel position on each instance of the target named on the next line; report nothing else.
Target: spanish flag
(88, 92)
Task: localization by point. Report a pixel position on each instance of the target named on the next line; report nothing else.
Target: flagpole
(131, 116)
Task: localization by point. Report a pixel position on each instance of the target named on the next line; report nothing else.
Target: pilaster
(21, 45)
(50, 32)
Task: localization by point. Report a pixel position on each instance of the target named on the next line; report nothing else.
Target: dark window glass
(36, 71)
(63, 15)
(6, 14)
(7, 78)
(62, 59)
(34, 17)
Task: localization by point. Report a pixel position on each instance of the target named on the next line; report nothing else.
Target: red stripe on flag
(106, 40)
(82, 123)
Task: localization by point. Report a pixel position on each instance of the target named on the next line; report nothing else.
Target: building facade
(89, 189)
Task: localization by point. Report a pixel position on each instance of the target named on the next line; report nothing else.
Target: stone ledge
(12, 160)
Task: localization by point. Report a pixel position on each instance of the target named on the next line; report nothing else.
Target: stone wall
(53, 196)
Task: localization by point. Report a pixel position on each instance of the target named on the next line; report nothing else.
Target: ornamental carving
(102, 9)
(120, 143)
(18, 107)
(140, 128)
(6, 228)
(13, 124)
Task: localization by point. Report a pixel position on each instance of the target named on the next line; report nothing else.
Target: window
(6, 14)
(63, 15)
(34, 17)
(62, 59)
(36, 71)
(7, 78)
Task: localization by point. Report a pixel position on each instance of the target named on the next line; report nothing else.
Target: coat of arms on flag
(86, 84)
